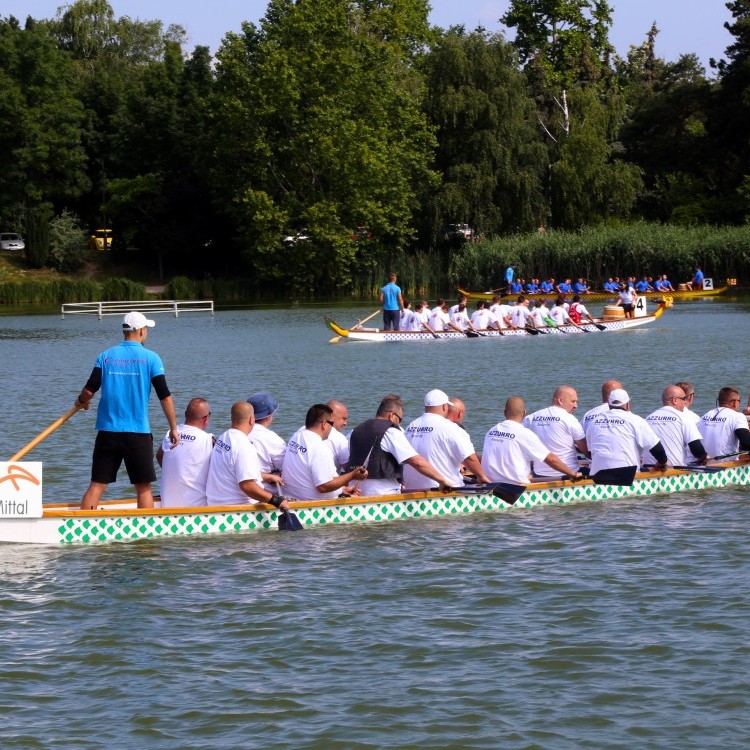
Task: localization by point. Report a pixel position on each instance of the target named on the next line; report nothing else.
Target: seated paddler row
(385, 455)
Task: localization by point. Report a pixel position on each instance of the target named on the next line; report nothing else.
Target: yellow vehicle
(101, 239)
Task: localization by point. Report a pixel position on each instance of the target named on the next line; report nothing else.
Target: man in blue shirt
(125, 374)
(547, 286)
(643, 286)
(509, 273)
(696, 283)
(393, 304)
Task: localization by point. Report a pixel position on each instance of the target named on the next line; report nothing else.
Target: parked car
(460, 232)
(292, 239)
(11, 241)
(101, 239)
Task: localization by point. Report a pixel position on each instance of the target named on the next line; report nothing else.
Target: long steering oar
(45, 434)
(336, 339)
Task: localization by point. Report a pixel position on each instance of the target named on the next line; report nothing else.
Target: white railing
(145, 306)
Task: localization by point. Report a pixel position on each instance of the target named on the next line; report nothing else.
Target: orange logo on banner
(17, 473)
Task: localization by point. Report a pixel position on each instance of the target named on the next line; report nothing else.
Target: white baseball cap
(618, 397)
(436, 397)
(134, 321)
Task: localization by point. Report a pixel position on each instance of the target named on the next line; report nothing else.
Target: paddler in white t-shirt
(444, 444)
(617, 437)
(607, 387)
(509, 448)
(559, 430)
(184, 467)
(678, 434)
(724, 429)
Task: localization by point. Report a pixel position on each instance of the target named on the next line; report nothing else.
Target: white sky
(685, 27)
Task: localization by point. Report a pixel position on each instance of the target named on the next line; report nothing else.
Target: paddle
(507, 492)
(45, 433)
(364, 320)
(533, 331)
(288, 521)
(728, 455)
(700, 469)
(621, 475)
(336, 339)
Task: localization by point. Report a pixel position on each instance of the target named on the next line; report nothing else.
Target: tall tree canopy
(319, 125)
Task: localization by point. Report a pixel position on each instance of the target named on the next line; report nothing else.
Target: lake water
(617, 625)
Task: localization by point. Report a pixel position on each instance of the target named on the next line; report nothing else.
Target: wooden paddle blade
(621, 476)
(288, 521)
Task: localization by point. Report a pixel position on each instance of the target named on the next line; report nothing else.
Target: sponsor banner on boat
(21, 489)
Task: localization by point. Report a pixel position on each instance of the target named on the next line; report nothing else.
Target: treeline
(335, 139)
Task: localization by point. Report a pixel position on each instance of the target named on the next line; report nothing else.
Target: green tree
(41, 155)
(729, 120)
(489, 150)
(318, 125)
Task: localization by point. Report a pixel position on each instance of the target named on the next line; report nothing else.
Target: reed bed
(597, 253)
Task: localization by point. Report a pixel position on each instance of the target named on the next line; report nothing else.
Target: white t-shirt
(509, 448)
(184, 468)
(461, 319)
(691, 416)
(439, 320)
(271, 448)
(519, 315)
(500, 311)
(444, 444)
(424, 315)
(308, 463)
(581, 308)
(617, 438)
(588, 417)
(538, 314)
(558, 430)
(410, 321)
(394, 442)
(233, 460)
(675, 432)
(717, 429)
(559, 315)
(338, 444)
(482, 318)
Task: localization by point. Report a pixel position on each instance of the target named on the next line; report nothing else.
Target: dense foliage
(337, 139)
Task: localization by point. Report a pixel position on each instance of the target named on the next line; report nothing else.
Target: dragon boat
(679, 294)
(612, 320)
(121, 521)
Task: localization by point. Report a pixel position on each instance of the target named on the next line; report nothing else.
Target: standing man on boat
(393, 303)
(724, 429)
(617, 438)
(510, 447)
(234, 476)
(677, 433)
(560, 432)
(269, 445)
(125, 374)
(382, 448)
(184, 467)
(444, 444)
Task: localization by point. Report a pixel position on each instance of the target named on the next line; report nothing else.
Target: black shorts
(627, 308)
(112, 448)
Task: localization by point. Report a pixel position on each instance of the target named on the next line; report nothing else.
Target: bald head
(608, 386)
(339, 414)
(674, 396)
(243, 416)
(565, 397)
(197, 412)
(456, 410)
(515, 409)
